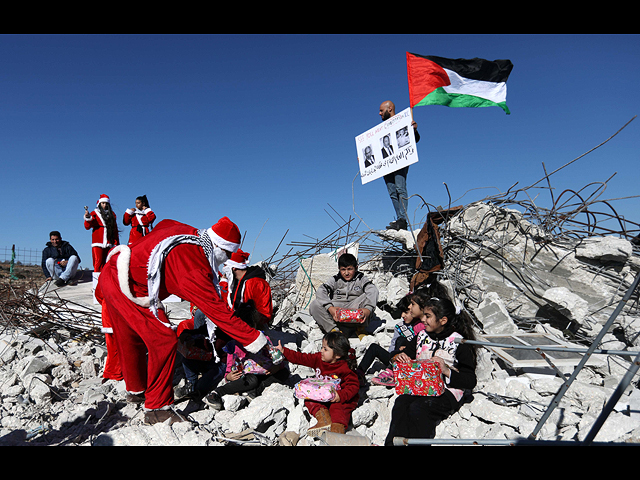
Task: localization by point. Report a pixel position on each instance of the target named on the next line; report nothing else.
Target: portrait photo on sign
(386, 147)
(402, 136)
(369, 158)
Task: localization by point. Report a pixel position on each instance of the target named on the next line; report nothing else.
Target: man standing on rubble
(174, 259)
(397, 181)
(59, 260)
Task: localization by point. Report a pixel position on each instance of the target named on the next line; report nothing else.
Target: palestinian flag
(457, 82)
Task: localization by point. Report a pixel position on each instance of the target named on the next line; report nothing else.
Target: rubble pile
(518, 269)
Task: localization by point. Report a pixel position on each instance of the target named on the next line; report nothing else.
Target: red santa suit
(252, 286)
(101, 244)
(174, 259)
(112, 368)
(141, 222)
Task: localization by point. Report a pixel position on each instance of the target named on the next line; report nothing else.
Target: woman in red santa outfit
(105, 235)
(249, 291)
(174, 259)
(140, 218)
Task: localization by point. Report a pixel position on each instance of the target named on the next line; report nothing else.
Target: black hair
(458, 321)
(248, 313)
(434, 289)
(143, 199)
(420, 299)
(347, 260)
(404, 303)
(109, 220)
(55, 233)
(339, 343)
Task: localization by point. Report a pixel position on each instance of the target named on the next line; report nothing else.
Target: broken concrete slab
(605, 249)
(567, 303)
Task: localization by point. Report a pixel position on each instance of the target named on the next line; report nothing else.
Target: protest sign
(387, 147)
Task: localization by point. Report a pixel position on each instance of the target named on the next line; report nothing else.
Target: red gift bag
(419, 377)
(346, 315)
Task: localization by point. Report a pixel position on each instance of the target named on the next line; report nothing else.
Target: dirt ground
(26, 276)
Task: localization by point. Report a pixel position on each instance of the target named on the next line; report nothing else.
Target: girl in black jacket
(417, 416)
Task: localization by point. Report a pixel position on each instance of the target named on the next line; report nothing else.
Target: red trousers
(340, 412)
(145, 347)
(99, 256)
(112, 368)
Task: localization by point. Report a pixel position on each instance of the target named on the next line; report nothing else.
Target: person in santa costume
(249, 291)
(174, 259)
(140, 218)
(105, 235)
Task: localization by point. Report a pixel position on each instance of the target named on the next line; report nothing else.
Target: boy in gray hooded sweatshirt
(348, 289)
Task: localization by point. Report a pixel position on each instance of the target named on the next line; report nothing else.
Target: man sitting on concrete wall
(59, 260)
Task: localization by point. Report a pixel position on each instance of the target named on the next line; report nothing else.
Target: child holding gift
(411, 307)
(404, 332)
(246, 373)
(417, 416)
(336, 358)
(349, 289)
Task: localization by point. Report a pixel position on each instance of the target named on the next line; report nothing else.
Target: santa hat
(103, 198)
(226, 235)
(239, 260)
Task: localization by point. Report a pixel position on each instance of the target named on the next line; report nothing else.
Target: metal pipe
(547, 348)
(613, 401)
(565, 386)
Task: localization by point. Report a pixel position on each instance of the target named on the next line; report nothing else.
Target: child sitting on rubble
(335, 359)
(411, 307)
(349, 289)
(416, 416)
(247, 373)
(403, 332)
(200, 360)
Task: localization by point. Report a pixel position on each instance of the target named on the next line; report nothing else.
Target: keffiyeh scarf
(215, 255)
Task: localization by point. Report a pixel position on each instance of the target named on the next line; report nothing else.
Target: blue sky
(261, 128)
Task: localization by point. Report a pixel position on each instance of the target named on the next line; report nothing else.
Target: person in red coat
(105, 235)
(249, 292)
(174, 259)
(140, 218)
(336, 359)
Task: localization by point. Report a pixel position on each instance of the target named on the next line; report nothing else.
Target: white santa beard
(220, 255)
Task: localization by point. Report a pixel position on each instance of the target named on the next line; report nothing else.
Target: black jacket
(65, 252)
(464, 376)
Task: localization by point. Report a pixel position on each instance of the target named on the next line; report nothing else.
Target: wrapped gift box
(319, 388)
(346, 315)
(419, 377)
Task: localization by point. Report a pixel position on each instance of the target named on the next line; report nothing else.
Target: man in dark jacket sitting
(59, 260)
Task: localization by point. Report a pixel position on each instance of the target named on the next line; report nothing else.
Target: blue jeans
(212, 373)
(397, 188)
(63, 273)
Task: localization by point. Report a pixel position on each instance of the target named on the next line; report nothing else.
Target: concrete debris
(532, 272)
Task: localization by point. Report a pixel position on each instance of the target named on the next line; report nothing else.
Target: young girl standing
(105, 236)
(140, 218)
(417, 416)
(336, 358)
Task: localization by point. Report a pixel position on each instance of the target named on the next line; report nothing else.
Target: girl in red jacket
(140, 218)
(336, 358)
(105, 236)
